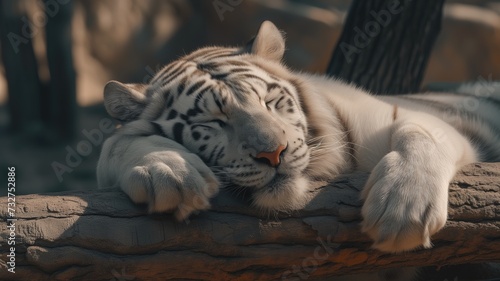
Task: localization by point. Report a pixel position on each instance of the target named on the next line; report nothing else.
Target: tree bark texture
(385, 44)
(102, 235)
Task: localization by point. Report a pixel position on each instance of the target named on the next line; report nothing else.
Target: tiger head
(239, 109)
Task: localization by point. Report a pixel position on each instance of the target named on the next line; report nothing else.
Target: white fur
(411, 151)
(159, 172)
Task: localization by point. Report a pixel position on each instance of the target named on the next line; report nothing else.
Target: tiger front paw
(404, 205)
(171, 181)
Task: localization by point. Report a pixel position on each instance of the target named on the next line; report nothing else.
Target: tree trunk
(385, 44)
(103, 235)
(21, 68)
(62, 88)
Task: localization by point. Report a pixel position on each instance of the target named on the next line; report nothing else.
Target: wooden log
(102, 235)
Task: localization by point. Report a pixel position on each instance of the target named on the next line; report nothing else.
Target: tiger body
(205, 119)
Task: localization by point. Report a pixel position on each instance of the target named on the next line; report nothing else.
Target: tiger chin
(239, 116)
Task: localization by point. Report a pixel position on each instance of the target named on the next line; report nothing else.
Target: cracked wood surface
(102, 235)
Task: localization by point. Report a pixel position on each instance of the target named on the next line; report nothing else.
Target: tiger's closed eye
(209, 123)
(221, 123)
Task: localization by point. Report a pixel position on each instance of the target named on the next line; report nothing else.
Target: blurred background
(57, 55)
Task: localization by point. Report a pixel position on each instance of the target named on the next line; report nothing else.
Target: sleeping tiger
(239, 116)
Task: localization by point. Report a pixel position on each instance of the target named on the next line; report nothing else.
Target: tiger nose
(273, 158)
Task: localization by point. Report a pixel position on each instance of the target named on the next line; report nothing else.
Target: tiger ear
(124, 102)
(269, 42)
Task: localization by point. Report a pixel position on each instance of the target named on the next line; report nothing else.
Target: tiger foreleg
(406, 195)
(160, 173)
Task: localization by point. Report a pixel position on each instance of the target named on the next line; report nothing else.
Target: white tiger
(239, 115)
